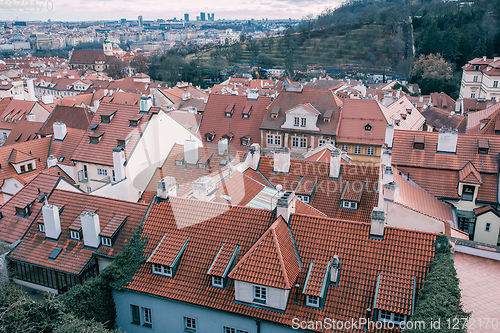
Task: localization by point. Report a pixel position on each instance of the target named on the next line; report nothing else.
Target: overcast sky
(81, 10)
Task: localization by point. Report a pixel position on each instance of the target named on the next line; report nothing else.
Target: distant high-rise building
(202, 16)
(186, 17)
(140, 20)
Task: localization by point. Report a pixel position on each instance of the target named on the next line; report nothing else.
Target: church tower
(107, 46)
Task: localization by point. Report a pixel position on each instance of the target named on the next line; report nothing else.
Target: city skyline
(96, 10)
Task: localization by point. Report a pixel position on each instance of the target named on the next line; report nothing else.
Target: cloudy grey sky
(79, 10)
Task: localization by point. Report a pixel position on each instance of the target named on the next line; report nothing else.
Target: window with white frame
(162, 270)
(349, 204)
(473, 95)
(74, 234)
(474, 79)
(102, 172)
(147, 317)
(106, 241)
(303, 142)
(217, 281)
(357, 150)
(370, 151)
(495, 84)
(233, 330)
(296, 121)
(41, 227)
(391, 316)
(303, 122)
(345, 148)
(259, 294)
(190, 323)
(304, 198)
(277, 140)
(295, 141)
(312, 301)
(321, 142)
(488, 227)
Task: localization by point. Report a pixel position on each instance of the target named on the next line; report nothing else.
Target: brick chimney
(90, 229)
(447, 141)
(166, 187)
(377, 226)
(281, 160)
(286, 205)
(51, 221)
(389, 135)
(335, 166)
(334, 269)
(60, 130)
(253, 156)
(190, 152)
(222, 146)
(119, 163)
(388, 175)
(391, 192)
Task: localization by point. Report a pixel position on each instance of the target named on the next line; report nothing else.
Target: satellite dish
(279, 187)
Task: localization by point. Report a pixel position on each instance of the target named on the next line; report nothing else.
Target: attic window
(408, 111)
(349, 204)
(162, 270)
(106, 241)
(419, 142)
(483, 146)
(105, 119)
(312, 301)
(23, 211)
(94, 127)
(229, 111)
(403, 115)
(245, 141)
(209, 137)
(368, 127)
(217, 282)
(229, 137)
(476, 67)
(133, 123)
(95, 139)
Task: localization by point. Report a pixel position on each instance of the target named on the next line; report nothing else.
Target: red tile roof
(72, 117)
(168, 250)
(469, 174)
(102, 152)
(23, 131)
(401, 252)
(214, 118)
(220, 265)
(13, 227)
(395, 293)
(321, 100)
(86, 56)
(328, 191)
(357, 114)
(438, 119)
(271, 261)
(317, 270)
(35, 249)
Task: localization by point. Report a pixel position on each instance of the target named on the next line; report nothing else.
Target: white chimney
(254, 156)
(388, 175)
(286, 205)
(51, 161)
(204, 189)
(48, 99)
(386, 156)
(421, 99)
(222, 146)
(166, 187)
(334, 269)
(389, 135)
(281, 160)
(377, 225)
(105, 92)
(186, 96)
(447, 141)
(60, 130)
(51, 221)
(90, 229)
(96, 105)
(119, 163)
(391, 192)
(335, 158)
(146, 103)
(31, 90)
(190, 152)
(253, 94)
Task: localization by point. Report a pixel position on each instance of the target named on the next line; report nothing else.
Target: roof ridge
(277, 247)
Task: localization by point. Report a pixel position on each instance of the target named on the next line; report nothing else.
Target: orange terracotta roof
(168, 250)
(316, 272)
(63, 150)
(306, 209)
(74, 257)
(222, 261)
(214, 118)
(401, 252)
(23, 131)
(395, 293)
(357, 114)
(469, 174)
(402, 109)
(72, 117)
(17, 156)
(438, 119)
(271, 261)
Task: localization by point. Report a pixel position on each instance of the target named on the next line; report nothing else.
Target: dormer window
(245, 141)
(133, 123)
(246, 112)
(368, 127)
(23, 211)
(260, 294)
(349, 204)
(94, 140)
(468, 192)
(419, 142)
(393, 317)
(106, 241)
(217, 281)
(120, 143)
(483, 146)
(209, 137)
(476, 67)
(105, 119)
(41, 227)
(229, 111)
(23, 168)
(274, 116)
(326, 120)
(303, 122)
(312, 301)
(74, 235)
(162, 270)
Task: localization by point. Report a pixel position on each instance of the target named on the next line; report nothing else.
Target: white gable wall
(301, 112)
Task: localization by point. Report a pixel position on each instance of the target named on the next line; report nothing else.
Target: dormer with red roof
(268, 271)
